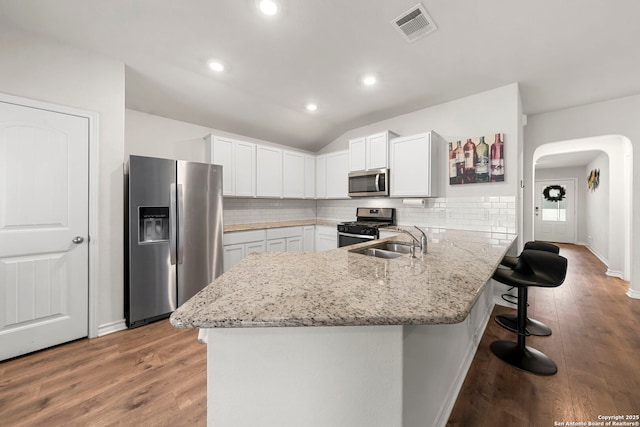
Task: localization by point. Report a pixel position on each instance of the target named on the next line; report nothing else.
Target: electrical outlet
(450, 214)
(485, 215)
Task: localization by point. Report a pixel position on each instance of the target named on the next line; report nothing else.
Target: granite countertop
(342, 288)
(280, 224)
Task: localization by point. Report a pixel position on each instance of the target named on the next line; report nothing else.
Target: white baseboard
(632, 293)
(600, 257)
(454, 391)
(109, 328)
(615, 273)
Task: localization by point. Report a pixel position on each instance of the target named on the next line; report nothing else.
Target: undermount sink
(381, 253)
(387, 250)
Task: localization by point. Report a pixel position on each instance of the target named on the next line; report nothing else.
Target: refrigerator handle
(172, 214)
(180, 216)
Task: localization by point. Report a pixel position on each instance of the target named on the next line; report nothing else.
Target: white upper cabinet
(269, 172)
(357, 154)
(370, 152)
(309, 176)
(238, 159)
(415, 165)
(337, 175)
(321, 176)
(293, 174)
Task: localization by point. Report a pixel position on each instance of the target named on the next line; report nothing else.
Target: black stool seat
(510, 321)
(534, 268)
(512, 261)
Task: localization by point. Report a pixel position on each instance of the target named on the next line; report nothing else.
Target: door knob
(78, 239)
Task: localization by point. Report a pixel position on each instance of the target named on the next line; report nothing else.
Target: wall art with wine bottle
(477, 160)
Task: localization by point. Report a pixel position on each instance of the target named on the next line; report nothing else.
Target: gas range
(366, 226)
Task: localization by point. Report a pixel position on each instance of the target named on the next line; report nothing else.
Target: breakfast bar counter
(344, 288)
(340, 338)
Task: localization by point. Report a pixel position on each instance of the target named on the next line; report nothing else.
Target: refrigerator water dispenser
(154, 224)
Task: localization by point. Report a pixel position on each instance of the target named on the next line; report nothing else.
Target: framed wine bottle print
(477, 160)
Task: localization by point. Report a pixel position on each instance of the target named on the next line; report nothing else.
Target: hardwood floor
(595, 343)
(156, 375)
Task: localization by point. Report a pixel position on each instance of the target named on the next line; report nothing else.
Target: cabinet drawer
(236, 237)
(282, 233)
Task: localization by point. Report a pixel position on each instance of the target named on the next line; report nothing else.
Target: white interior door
(43, 228)
(555, 211)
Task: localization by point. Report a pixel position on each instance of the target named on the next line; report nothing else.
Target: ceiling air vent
(414, 23)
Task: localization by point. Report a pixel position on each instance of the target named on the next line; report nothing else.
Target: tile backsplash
(482, 213)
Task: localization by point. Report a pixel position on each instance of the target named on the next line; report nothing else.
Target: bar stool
(534, 268)
(510, 321)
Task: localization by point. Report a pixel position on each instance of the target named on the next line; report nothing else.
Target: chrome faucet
(422, 242)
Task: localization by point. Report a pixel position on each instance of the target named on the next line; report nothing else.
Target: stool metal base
(527, 358)
(533, 327)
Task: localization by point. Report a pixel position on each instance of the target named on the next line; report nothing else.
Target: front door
(43, 228)
(555, 212)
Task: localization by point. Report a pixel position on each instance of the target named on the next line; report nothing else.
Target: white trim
(615, 273)
(632, 293)
(600, 257)
(94, 257)
(111, 327)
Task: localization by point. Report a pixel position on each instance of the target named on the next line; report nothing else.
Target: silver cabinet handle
(78, 239)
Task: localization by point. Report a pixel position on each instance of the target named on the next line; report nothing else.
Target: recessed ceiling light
(268, 7)
(311, 107)
(369, 80)
(216, 66)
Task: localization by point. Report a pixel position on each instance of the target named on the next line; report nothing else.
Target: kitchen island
(341, 338)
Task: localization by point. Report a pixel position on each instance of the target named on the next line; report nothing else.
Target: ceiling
(567, 160)
(563, 53)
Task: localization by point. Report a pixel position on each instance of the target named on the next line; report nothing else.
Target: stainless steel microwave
(374, 182)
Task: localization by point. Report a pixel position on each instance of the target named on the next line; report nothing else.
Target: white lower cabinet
(239, 244)
(276, 245)
(309, 238)
(326, 238)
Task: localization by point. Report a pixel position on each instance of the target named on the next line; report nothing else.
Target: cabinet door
(309, 177)
(309, 238)
(252, 247)
(233, 254)
(321, 177)
(222, 154)
(276, 245)
(244, 172)
(293, 175)
(357, 154)
(294, 243)
(337, 175)
(269, 172)
(377, 151)
(410, 166)
(326, 238)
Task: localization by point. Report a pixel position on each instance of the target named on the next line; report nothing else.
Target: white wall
(597, 205)
(43, 70)
(579, 174)
(485, 113)
(613, 117)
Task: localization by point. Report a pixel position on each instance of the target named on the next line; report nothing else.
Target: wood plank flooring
(156, 375)
(595, 343)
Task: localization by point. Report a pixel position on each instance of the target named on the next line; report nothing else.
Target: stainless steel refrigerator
(174, 234)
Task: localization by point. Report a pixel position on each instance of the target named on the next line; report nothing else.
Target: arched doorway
(619, 152)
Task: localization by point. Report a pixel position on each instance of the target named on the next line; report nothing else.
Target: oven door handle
(357, 236)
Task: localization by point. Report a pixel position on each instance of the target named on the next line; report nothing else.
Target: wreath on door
(554, 193)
